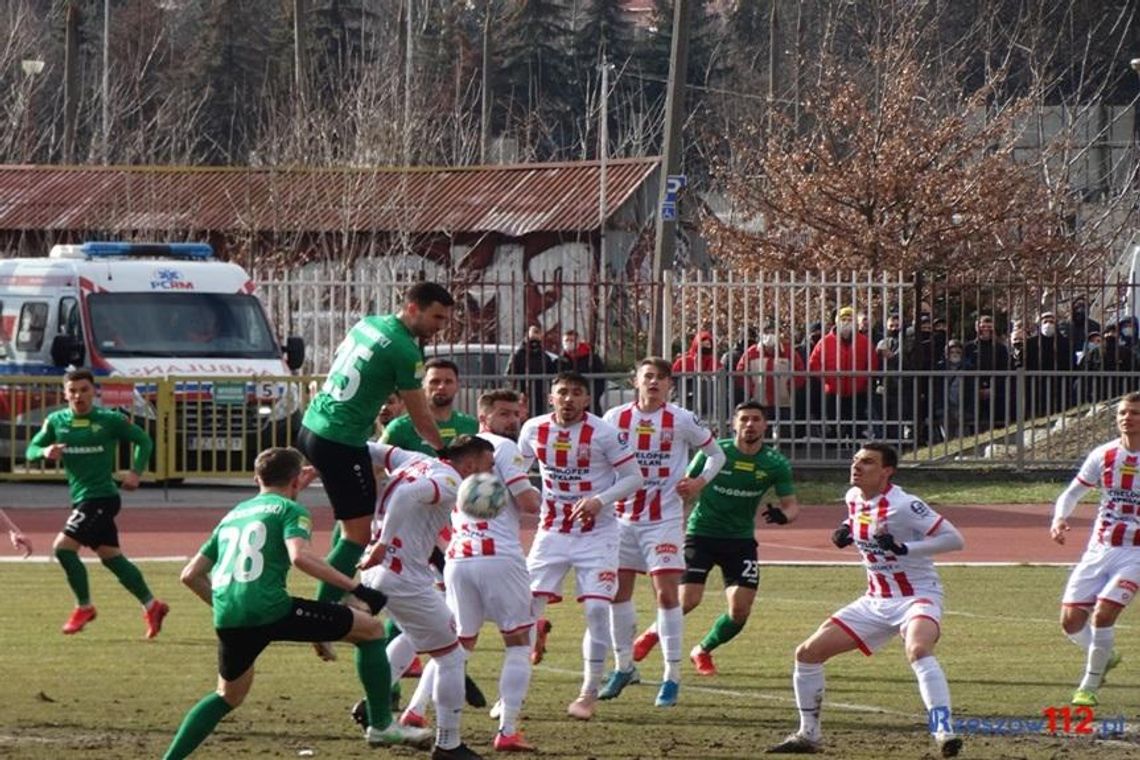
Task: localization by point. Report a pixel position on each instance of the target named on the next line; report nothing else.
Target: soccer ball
(482, 495)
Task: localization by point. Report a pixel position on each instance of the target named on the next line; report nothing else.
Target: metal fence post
(1020, 419)
(164, 432)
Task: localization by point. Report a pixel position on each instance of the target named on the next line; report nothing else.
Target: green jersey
(251, 560)
(401, 432)
(377, 358)
(92, 448)
(727, 506)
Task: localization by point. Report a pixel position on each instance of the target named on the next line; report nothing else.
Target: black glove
(841, 536)
(887, 543)
(437, 558)
(370, 596)
(774, 515)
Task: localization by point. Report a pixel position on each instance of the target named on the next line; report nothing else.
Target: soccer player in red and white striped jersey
(896, 534)
(651, 522)
(585, 469)
(486, 575)
(1108, 575)
(415, 506)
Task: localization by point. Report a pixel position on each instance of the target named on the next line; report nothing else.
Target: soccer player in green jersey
(721, 530)
(379, 356)
(441, 384)
(241, 572)
(85, 438)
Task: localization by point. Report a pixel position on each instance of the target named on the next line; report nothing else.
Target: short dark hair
(659, 363)
(278, 466)
(465, 446)
(424, 294)
(750, 406)
(1130, 398)
(886, 451)
(440, 363)
(572, 378)
(488, 399)
(79, 374)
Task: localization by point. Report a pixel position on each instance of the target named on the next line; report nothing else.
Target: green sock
(197, 725)
(130, 576)
(723, 631)
(76, 575)
(344, 556)
(391, 630)
(376, 676)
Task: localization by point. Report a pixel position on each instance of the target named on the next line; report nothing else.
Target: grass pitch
(109, 693)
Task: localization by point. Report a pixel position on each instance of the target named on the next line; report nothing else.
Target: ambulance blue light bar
(199, 251)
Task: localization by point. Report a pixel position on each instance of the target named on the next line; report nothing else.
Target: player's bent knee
(365, 628)
(357, 529)
(1105, 614)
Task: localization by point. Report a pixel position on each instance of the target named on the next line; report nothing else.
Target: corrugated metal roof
(512, 200)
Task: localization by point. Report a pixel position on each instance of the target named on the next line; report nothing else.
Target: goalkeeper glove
(370, 596)
(887, 543)
(841, 536)
(774, 515)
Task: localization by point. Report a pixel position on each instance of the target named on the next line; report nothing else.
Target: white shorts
(1109, 573)
(872, 621)
(488, 588)
(420, 611)
(653, 547)
(593, 556)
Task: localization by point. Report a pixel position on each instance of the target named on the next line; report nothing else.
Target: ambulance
(140, 312)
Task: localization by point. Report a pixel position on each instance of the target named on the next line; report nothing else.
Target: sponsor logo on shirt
(80, 422)
(665, 549)
(743, 465)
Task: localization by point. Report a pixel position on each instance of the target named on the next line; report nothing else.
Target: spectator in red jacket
(845, 360)
(696, 374)
(771, 366)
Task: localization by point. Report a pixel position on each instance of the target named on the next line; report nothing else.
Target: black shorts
(346, 472)
(238, 648)
(736, 558)
(92, 522)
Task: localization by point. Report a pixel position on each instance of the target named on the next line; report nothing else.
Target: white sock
(933, 687)
(401, 651)
(807, 678)
(623, 625)
(669, 623)
(1082, 638)
(513, 683)
(448, 697)
(1099, 652)
(594, 643)
(424, 689)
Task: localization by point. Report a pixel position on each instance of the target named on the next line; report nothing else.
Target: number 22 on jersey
(241, 557)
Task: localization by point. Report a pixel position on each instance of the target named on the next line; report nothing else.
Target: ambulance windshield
(231, 325)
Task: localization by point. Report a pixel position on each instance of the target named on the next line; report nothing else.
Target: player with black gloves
(897, 534)
(241, 572)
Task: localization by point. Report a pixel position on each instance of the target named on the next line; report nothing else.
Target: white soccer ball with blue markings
(482, 495)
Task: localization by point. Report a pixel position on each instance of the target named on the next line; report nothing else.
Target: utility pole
(485, 95)
(70, 80)
(666, 242)
(106, 81)
(300, 56)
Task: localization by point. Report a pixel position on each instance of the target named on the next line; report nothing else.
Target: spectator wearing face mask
(772, 374)
(696, 371)
(844, 361)
(1048, 351)
(532, 368)
(890, 350)
(578, 356)
(988, 354)
(954, 392)
(1079, 326)
(1090, 365)
(1127, 354)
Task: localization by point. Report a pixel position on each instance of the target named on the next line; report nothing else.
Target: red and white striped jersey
(1113, 469)
(575, 462)
(907, 518)
(414, 506)
(663, 442)
(472, 538)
